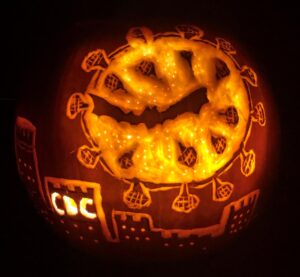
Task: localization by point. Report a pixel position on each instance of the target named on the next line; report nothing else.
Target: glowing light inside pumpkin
(54, 198)
(70, 205)
(83, 203)
(191, 147)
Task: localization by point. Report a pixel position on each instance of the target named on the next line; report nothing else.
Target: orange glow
(156, 151)
(55, 196)
(83, 186)
(189, 149)
(83, 210)
(70, 205)
(149, 165)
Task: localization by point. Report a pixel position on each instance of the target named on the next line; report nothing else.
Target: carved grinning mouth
(192, 103)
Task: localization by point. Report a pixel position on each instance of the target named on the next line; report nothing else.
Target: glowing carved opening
(153, 76)
(54, 197)
(83, 208)
(70, 205)
(156, 151)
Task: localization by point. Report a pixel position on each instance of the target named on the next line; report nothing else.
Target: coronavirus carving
(162, 145)
(179, 113)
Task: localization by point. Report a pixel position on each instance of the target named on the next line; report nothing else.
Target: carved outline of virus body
(83, 104)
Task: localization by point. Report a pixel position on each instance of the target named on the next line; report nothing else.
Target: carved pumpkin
(161, 142)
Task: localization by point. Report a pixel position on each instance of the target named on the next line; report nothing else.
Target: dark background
(267, 29)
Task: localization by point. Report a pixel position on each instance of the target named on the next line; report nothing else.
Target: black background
(267, 29)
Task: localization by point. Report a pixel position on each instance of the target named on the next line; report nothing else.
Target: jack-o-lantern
(160, 143)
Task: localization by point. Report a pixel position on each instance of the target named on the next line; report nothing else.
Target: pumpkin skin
(74, 178)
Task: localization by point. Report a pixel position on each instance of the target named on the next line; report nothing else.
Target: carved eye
(187, 55)
(188, 155)
(125, 160)
(146, 68)
(221, 69)
(219, 144)
(112, 82)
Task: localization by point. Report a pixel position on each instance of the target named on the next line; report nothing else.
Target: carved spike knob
(185, 202)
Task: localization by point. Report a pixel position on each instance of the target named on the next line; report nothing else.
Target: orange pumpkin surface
(161, 142)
